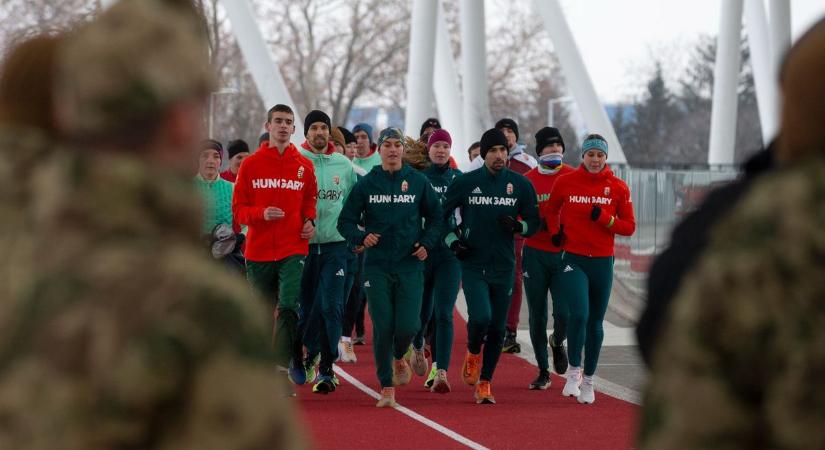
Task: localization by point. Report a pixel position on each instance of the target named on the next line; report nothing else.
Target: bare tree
(21, 19)
(334, 53)
(524, 75)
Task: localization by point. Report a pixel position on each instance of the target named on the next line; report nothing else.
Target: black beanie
(316, 116)
(547, 136)
(349, 138)
(508, 123)
(432, 122)
(235, 147)
(490, 139)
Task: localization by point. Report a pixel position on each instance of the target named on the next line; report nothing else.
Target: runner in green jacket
(442, 276)
(393, 199)
(491, 200)
(322, 283)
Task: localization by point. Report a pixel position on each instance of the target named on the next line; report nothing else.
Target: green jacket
(374, 159)
(336, 177)
(217, 202)
(441, 178)
(481, 198)
(393, 205)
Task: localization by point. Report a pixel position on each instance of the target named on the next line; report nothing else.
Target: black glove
(509, 224)
(559, 238)
(595, 213)
(460, 249)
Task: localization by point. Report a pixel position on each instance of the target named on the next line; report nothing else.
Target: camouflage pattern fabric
(115, 330)
(115, 72)
(742, 364)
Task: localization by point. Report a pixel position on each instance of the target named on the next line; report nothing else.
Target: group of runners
(341, 222)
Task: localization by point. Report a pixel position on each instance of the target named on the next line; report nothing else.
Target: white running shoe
(346, 353)
(587, 395)
(440, 384)
(574, 380)
(418, 362)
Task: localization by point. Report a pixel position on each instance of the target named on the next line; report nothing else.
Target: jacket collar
(604, 174)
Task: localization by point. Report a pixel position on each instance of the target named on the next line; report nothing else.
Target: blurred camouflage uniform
(115, 331)
(742, 365)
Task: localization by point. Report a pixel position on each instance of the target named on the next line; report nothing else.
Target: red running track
(521, 418)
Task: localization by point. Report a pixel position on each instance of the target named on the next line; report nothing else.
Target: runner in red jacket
(541, 260)
(274, 196)
(594, 206)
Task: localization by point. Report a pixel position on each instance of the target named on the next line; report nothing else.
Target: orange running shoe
(471, 369)
(484, 394)
(387, 399)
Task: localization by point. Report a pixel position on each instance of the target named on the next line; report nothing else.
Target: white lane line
(410, 413)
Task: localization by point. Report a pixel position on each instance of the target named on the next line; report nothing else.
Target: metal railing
(661, 198)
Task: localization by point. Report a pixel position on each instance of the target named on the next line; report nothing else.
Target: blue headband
(596, 144)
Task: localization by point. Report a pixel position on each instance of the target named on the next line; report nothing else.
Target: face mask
(550, 163)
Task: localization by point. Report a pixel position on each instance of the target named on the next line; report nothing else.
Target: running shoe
(471, 369)
(559, 357)
(418, 362)
(324, 385)
(311, 367)
(511, 345)
(346, 353)
(574, 380)
(484, 394)
(387, 399)
(335, 380)
(431, 377)
(441, 385)
(359, 340)
(297, 373)
(401, 373)
(587, 394)
(542, 381)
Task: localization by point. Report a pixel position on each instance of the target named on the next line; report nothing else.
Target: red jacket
(330, 147)
(228, 175)
(286, 181)
(543, 184)
(574, 195)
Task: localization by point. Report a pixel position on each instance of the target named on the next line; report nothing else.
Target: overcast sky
(620, 38)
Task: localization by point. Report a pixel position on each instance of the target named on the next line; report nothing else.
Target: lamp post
(212, 95)
(551, 103)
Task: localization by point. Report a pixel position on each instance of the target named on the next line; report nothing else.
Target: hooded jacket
(368, 162)
(543, 184)
(393, 206)
(286, 181)
(335, 176)
(481, 198)
(574, 195)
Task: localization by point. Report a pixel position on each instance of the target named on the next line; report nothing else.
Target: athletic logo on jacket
(404, 186)
(301, 172)
(607, 191)
(509, 188)
(336, 179)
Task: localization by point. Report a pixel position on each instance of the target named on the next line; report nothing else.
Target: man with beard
(323, 280)
(491, 200)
